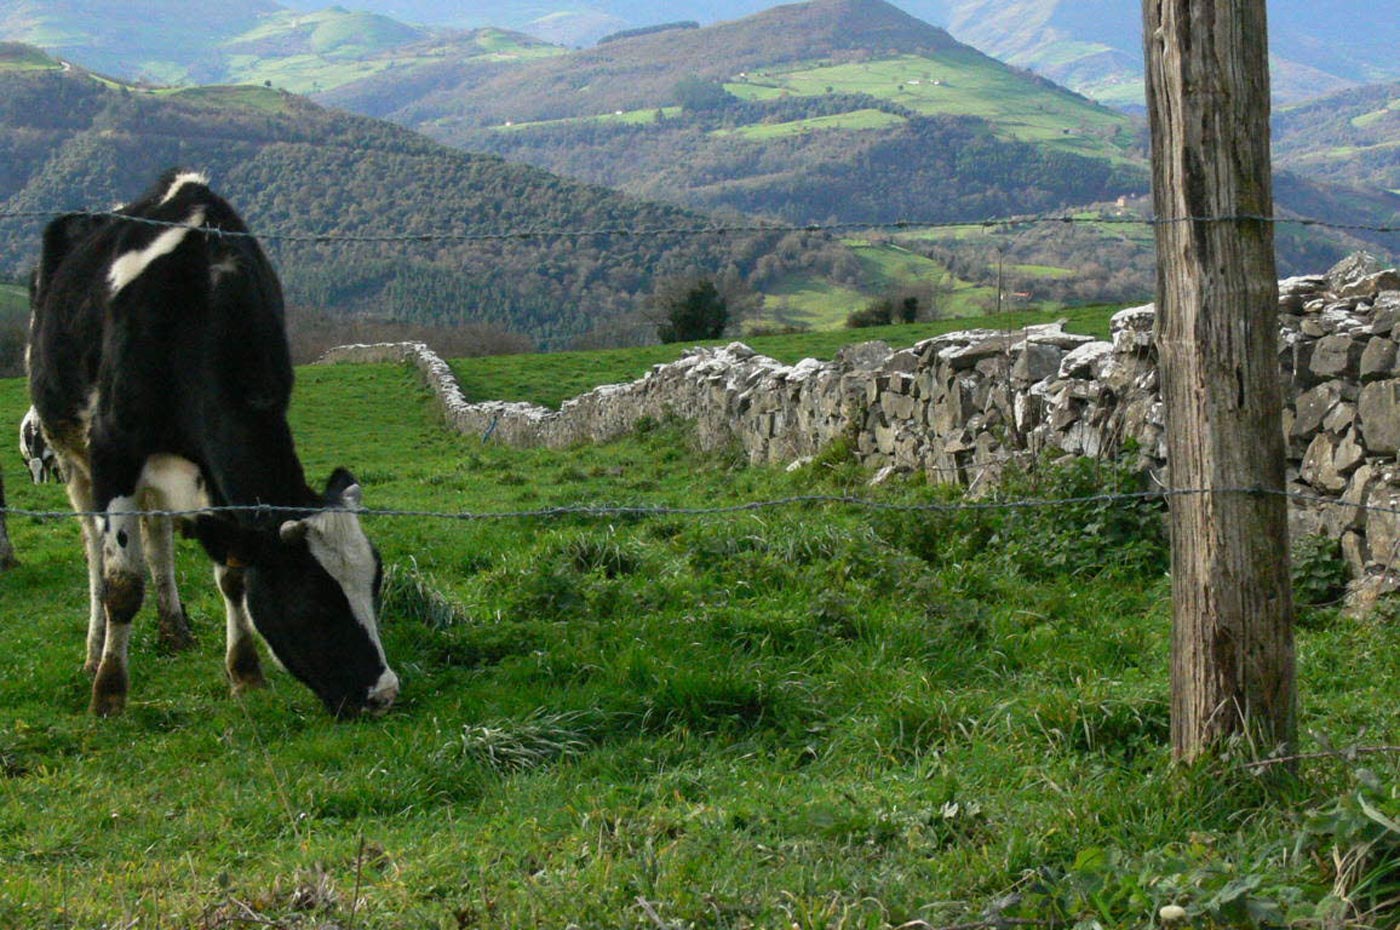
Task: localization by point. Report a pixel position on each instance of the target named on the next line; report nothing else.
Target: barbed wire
(663, 510)
(754, 227)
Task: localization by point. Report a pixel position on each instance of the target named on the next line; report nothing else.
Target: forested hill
(1352, 136)
(69, 141)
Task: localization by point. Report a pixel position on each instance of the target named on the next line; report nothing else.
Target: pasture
(809, 715)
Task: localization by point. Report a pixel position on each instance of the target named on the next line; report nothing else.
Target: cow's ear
(342, 490)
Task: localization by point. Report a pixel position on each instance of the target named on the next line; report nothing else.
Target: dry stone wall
(959, 407)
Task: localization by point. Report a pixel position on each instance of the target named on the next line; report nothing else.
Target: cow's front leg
(123, 588)
(241, 655)
(174, 625)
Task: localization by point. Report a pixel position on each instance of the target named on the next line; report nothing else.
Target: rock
(1312, 407)
(1377, 360)
(1337, 356)
(1085, 361)
(1036, 362)
(1378, 410)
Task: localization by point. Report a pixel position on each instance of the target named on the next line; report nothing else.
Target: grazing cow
(43, 464)
(159, 367)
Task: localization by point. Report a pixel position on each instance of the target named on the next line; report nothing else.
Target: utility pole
(1217, 331)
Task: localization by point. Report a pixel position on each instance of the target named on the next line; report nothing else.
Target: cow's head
(314, 597)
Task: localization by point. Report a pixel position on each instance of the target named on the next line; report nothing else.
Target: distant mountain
(833, 109)
(69, 141)
(160, 40)
(1095, 46)
(245, 41)
(1090, 46)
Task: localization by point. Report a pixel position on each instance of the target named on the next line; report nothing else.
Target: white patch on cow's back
(175, 483)
(188, 177)
(128, 267)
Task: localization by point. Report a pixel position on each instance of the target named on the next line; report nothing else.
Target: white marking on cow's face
(337, 542)
(173, 483)
(189, 177)
(384, 690)
(128, 267)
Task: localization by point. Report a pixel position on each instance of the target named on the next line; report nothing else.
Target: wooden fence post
(1217, 332)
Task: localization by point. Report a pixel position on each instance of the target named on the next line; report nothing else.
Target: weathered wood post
(1217, 304)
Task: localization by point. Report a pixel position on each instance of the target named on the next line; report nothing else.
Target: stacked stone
(960, 406)
(1342, 419)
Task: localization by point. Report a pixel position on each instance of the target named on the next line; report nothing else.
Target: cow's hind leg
(174, 625)
(241, 658)
(80, 494)
(123, 589)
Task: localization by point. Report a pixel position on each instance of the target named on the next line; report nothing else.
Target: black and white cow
(35, 451)
(160, 370)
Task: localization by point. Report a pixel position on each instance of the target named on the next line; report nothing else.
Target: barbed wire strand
(662, 510)
(530, 233)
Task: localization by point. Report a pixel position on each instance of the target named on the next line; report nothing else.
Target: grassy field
(854, 121)
(811, 716)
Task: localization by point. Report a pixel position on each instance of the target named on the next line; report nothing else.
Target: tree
(693, 309)
(696, 93)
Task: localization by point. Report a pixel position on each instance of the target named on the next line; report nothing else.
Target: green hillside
(315, 52)
(16, 56)
(1350, 137)
(72, 142)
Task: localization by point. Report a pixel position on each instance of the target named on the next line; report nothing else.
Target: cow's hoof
(242, 686)
(109, 690)
(244, 667)
(173, 633)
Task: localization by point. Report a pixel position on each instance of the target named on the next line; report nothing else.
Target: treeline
(649, 30)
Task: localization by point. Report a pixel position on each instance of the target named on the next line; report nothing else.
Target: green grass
(810, 300)
(234, 95)
(811, 716)
(854, 121)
